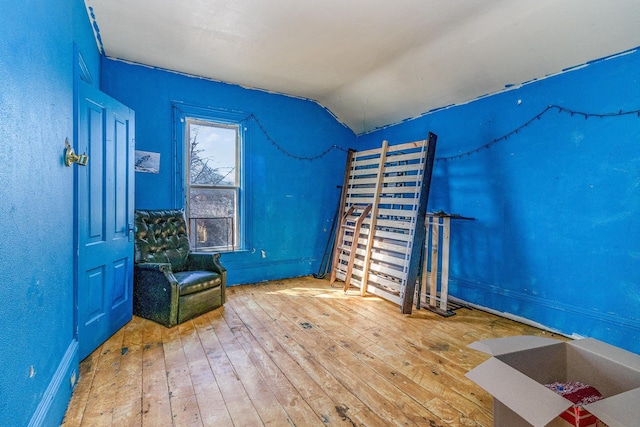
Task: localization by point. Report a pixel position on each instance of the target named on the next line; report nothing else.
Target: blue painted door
(104, 217)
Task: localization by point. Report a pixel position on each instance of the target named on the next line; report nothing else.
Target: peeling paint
(96, 30)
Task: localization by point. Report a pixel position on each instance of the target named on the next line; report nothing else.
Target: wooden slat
(409, 146)
(409, 190)
(342, 208)
(361, 164)
(393, 287)
(388, 181)
(380, 286)
(395, 258)
(374, 218)
(382, 244)
(401, 203)
(389, 271)
(370, 152)
(433, 277)
(365, 191)
(406, 214)
(391, 180)
(419, 234)
(392, 157)
(401, 237)
(444, 275)
(403, 169)
(382, 293)
(396, 224)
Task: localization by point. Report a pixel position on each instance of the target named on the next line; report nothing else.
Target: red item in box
(580, 394)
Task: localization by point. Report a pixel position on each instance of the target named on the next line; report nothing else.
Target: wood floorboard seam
(292, 352)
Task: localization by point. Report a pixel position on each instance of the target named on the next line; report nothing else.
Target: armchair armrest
(206, 262)
(155, 294)
(155, 268)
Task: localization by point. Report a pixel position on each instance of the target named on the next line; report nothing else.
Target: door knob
(131, 229)
(71, 157)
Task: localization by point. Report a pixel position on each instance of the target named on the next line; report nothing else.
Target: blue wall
(557, 204)
(555, 238)
(289, 203)
(37, 343)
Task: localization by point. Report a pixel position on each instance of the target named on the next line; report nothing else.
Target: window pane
(212, 218)
(214, 233)
(212, 155)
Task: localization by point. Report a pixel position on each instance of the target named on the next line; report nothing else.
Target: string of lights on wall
(288, 153)
(494, 141)
(533, 119)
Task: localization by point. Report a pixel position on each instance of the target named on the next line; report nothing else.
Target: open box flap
(622, 410)
(498, 346)
(533, 402)
(623, 357)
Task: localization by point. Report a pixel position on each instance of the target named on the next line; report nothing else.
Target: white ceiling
(371, 62)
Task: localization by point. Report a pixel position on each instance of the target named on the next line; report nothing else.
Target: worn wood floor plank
(156, 405)
(239, 405)
(87, 371)
(266, 404)
(297, 408)
(383, 362)
(213, 409)
(359, 379)
(342, 406)
(101, 397)
(424, 368)
(293, 352)
(356, 395)
(128, 401)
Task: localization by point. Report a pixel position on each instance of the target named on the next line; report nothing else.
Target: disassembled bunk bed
(381, 236)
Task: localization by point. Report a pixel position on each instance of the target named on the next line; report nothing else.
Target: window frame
(183, 116)
(235, 233)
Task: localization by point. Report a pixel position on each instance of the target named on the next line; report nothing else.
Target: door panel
(122, 165)
(120, 269)
(94, 294)
(104, 212)
(92, 189)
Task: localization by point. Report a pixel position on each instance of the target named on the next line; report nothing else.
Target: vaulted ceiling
(370, 62)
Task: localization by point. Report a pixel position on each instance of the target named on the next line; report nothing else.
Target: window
(213, 184)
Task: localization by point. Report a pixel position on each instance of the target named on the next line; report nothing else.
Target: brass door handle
(71, 157)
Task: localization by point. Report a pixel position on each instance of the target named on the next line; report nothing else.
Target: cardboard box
(580, 394)
(519, 367)
(580, 417)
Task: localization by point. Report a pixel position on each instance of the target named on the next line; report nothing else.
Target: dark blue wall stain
(556, 238)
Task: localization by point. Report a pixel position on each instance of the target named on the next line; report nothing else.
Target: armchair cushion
(196, 281)
(171, 284)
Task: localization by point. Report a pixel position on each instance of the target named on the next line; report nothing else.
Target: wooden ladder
(347, 245)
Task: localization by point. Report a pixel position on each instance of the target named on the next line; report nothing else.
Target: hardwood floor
(293, 352)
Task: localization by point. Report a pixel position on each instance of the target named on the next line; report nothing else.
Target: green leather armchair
(170, 284)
